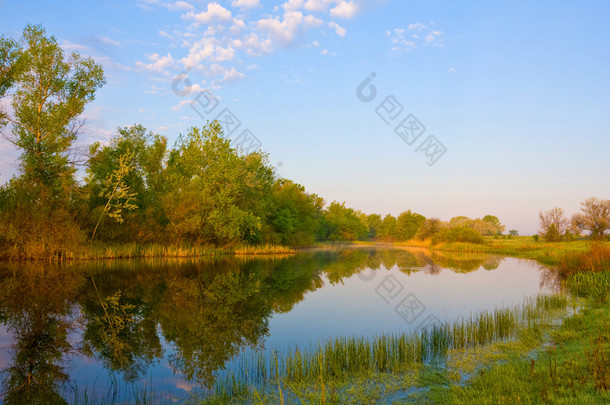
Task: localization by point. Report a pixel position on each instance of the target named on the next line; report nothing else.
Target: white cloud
(254, 46)
(181, 104)
(181, 5)
(286, 30)
(245, 3)
(233, 75)
(159, 64)
(317, 5)
(208, 49)
(338, 29)
(344, 9)
(292, 5)
(218, 38)
(405, 40)
(416, 27)
(431, 37)
(214, 13)
(69, 46)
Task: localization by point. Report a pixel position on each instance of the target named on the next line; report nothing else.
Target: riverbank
(524, 247)
(102, 251)
(559, 357)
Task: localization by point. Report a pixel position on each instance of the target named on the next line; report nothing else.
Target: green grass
(386, 364)
(572, 368)
(102, 251)
(548, 253)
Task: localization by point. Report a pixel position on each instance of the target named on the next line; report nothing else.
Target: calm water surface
(175, 325)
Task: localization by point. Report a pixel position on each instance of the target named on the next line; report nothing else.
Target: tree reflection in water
(207, 310)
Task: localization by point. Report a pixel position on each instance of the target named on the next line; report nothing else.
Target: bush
(465, 235)
(596, 259)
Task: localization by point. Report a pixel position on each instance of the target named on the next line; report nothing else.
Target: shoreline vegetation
(204, 197)
(552, 349)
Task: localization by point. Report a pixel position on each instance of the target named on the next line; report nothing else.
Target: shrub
(596, 259)
(466, 235)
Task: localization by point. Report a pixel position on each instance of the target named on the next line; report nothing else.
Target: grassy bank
(369, 370)
(572, 367)
(530, 354)
(101, 251)
(526, 247)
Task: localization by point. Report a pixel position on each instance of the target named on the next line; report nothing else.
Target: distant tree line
(138, 189)
(593, 218)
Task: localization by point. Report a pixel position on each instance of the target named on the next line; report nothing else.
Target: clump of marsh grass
(342, 358)
(596, 259)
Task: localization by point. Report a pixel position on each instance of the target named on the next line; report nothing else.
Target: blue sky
(518, 94)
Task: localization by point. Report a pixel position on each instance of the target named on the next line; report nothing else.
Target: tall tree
(594, 217)
(214, 194)
(553, 224)
(147, 152)
(49, 93)
(387, 230)
(407, 224)
(344, 223)
(294, 214)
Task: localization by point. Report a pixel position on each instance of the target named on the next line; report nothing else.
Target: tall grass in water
(342, 358)
(595, 285)
(263, 250)
(101, 251)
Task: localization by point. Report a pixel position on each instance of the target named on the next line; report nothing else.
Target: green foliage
(294, 214)
(513, 232)
(146, 153)
(594, 217)
(387, 229)
(595, 285)
(117, 193)
(215, 195)
(374, 223)
(595, 259)
(407, 225)
(452, 235)
(342, 223)
(49, 92)
(429, 228)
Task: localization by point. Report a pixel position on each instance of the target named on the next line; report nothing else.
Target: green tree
(387, 230)
(374, 223)
(429, 228)
(594, 217)
(117, 193)
(49, 92)
(147, 156)
(294, 215)
(214, 194)
(553, 224)
(344, 223)
(407, 225)
(461, 222)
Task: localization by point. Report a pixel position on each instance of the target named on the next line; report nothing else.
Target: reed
(343, 358)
